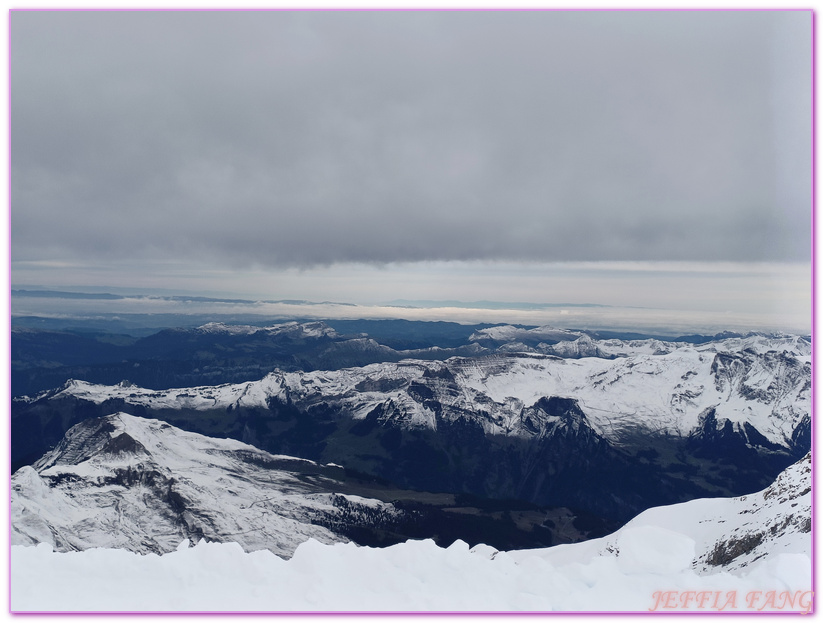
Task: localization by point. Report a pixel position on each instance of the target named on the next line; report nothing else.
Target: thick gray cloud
(302, 138)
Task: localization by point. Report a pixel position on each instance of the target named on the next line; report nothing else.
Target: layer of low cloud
(663, 297)
(247, 139)
(658, 321)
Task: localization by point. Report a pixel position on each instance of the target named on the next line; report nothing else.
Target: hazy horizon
(767, 299)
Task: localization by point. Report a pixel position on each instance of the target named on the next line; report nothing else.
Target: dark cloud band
(304, 138)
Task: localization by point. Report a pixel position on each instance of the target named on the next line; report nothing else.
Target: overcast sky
(247, 142)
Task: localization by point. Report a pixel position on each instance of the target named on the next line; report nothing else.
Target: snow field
(412, 576)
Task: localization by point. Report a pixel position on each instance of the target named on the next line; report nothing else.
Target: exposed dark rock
(124, 444)
(727, 551)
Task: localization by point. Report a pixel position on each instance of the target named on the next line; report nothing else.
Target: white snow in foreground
(658, 562)
(412, 576)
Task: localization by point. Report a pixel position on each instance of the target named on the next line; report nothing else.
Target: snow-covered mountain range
(699, 450)
(762, 381)
(654, 423)
(295, 330)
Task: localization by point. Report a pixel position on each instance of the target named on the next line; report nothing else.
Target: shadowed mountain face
(609, 436)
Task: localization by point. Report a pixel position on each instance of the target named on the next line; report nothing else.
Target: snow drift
(416, 575)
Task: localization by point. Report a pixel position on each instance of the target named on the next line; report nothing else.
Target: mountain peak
(127, 482)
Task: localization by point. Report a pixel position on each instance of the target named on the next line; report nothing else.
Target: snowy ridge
(763, 381)
(508, 333)
(143, 485)
(574, 344)
(709, 534)
(656, 563)
(292, 329)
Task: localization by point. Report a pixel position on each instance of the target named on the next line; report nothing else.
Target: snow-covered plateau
(749, 554)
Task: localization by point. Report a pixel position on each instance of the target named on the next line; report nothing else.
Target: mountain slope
(707, 535)
(138, 484)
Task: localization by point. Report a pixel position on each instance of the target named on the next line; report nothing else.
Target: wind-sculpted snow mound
(412, 576)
